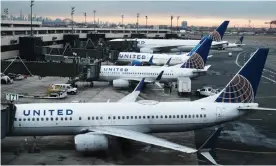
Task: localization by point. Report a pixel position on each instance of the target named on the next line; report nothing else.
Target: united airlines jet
(92, 123)
(175, 45)
(122, 76)
(138, 59)
(236, 44)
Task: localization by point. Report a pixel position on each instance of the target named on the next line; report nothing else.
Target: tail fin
(240, 40)
(218, 33)
(210, 144)
(243, 86)
(198, 57)
(198, 45)
(150, 60)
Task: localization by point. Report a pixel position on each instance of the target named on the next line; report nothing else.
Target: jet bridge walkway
(7, 119)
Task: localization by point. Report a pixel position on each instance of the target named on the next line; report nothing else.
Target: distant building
(184, 25)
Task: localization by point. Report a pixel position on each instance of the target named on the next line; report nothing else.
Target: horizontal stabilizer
(202, 70)
(255, 109)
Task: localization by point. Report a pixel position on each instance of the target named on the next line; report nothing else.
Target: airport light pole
(177, 22)
(122, 16)
(171, 23)
(146, 22)
(137, 24)
(94, 11)
(72, 21)
(32, 4)
(85, 18)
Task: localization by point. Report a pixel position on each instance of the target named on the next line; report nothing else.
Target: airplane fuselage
(110, 73)
(143, 116)
(178, 45)
(158, 59)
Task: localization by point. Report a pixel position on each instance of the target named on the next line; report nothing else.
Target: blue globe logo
(194, 62)
(239, 90)
(215, 36)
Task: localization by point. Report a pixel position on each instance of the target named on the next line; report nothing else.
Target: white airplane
(176, 45)
(122, 76)
(138, 59)
(136, 120)
(238, 43)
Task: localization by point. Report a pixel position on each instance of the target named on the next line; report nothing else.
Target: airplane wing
(219, 44)
(141, 137)
(166, 48)
(148, 79)
(133, 96)
(149, 139)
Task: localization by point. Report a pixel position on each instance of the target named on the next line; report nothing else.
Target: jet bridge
(68, 67)
(7, 119)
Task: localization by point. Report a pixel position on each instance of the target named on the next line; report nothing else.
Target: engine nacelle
(136, 63)
(119, 83)
(146, 50)
(91, 142)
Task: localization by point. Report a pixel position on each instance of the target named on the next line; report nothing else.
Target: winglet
(150, 60)
(133, 95)
(140, 85)
(168, 62)
(158, 78)
(209, 145)
(198, 58)
(218, 33)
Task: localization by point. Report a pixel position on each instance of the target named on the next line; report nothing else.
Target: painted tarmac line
(274, 81)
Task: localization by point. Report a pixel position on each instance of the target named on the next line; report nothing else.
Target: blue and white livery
(176, 45)
(135, 120)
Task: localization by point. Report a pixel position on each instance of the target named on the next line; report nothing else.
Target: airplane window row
(42, 119)
(115, 117)
(93, 118)
(139, 73)
(161, 116)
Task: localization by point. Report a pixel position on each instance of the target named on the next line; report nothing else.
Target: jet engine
(136, 63)
(120, 83)
(146, 50)
(91, 142)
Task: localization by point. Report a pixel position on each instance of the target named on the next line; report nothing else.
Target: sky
(198, 13)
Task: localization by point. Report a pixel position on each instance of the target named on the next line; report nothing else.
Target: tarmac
(251, 140)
